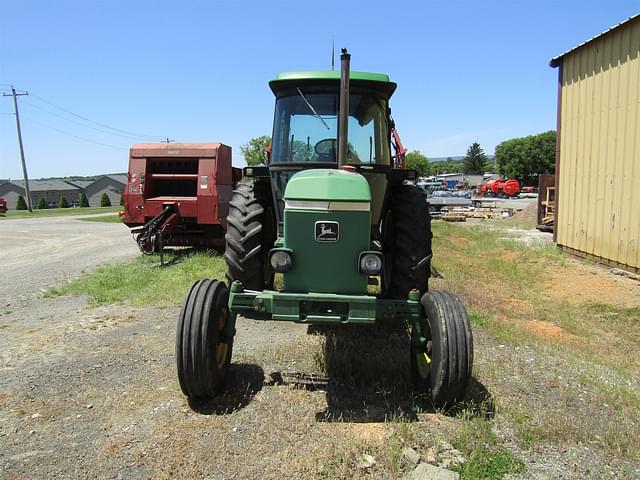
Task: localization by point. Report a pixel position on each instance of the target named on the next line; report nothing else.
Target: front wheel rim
(221, 348)
(423, 363)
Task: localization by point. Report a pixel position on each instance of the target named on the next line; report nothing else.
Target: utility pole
(167, 141)
(14, 94)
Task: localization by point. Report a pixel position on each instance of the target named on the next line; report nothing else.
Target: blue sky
(198, 71)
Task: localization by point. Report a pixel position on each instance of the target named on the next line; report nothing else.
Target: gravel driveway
(40, 253)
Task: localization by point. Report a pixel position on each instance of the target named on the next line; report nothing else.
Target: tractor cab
(305, 128)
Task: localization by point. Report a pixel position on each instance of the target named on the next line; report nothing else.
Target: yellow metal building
(598, 151)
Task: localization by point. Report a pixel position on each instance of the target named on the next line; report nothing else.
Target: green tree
(452, 166)
(63, 203)
(84, 201)
(255, 151)
(42, 204)
(105, 201)
(525, 158)
(475, 159)
(419, 162)
(21, 204)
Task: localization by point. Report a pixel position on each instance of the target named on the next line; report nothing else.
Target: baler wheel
(406, 241)
(445, 368)
(147, 245)
(202, 355)
(251, 232)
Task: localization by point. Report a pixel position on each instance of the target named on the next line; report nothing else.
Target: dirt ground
(91, 392)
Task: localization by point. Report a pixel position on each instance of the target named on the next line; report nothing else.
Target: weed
(490, 464)
(475, 433)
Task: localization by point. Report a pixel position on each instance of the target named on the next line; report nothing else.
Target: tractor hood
(327, 222)
(328, 185)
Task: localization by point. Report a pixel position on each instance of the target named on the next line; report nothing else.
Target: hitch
(150, 236)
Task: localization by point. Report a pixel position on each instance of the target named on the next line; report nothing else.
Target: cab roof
(378, 81)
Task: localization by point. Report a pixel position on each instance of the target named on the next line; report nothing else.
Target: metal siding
(633, 131)
(599, 172)
(628, 254)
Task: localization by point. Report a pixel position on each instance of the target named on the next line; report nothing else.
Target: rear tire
(406, 240)
(450, 349)
(202, 357)
(251, 232)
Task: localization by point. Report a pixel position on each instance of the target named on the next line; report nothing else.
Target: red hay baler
(500, 188)
(178, 194)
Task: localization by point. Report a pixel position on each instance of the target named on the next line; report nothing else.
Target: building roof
(80, 183)
(44, 185)
(119, 177)
(555, 61)
(450, 174)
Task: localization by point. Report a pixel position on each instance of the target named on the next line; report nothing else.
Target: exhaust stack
(343, 115)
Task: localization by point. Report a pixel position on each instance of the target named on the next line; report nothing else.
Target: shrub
(63, 203)
(21, 204)
(104, 200)
(42, 204)
(84, 201)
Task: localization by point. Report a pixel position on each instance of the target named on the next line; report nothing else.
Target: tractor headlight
(370, 263)
(281, 260)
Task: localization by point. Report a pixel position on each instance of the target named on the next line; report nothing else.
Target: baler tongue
(147, 234)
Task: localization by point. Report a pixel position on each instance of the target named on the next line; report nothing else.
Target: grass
(586, 393)
(103, 219)
(58, 212)
(490, 464)
(143, 282)
(502, 280)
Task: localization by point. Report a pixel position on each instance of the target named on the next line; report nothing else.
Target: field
(555, 391)
(58, 212)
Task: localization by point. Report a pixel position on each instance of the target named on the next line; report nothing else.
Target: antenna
(333, 54)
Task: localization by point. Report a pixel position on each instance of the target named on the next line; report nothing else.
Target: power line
(138, 135)
(72, 135)
(80, 123)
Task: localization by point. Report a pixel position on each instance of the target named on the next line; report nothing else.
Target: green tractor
(336, 214)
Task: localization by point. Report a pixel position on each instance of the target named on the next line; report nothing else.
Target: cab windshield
(306, 129)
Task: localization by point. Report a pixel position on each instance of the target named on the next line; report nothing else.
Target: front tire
(203, 356)
(450, 349)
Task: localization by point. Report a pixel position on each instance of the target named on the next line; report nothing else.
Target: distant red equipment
(500, 188)
(3, 206)
(178, 194)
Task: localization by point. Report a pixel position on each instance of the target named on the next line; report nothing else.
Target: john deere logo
(327, 231)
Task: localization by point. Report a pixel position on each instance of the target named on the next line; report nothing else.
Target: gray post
(24, 164)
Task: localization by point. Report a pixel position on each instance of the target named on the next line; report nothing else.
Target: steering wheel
(327, 147)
